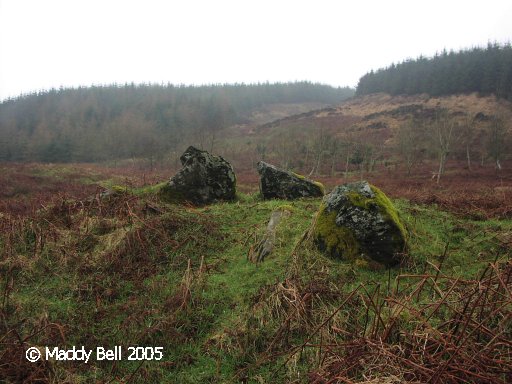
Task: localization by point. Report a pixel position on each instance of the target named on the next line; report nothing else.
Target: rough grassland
(130, 270)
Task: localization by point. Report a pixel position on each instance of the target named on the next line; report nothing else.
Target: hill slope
(378, 128)
(119, 122)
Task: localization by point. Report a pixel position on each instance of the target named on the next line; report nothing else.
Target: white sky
(49, 43)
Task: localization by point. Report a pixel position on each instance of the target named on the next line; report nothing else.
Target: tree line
(483, 70)
(101, 123)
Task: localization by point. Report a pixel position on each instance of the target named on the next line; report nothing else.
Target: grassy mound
(129, 270)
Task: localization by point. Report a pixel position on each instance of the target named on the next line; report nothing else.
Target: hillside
(79, 267)
(154, 122)
(383, 130)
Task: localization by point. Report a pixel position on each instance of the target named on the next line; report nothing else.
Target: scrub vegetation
(128, 269)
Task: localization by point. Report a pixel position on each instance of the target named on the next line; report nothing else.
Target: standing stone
(276, 183)
(358, 221)
(204, 179)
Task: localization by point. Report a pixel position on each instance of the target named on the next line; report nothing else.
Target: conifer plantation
(483, 70)
(92, 124)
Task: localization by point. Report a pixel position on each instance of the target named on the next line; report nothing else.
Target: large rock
(204, 179)
(358, 221)
(276, 183)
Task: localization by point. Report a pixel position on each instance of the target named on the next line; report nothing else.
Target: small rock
(276, 183)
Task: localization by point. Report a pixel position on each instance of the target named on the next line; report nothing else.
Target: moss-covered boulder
(358, 221)
(276, 183)
(204, 179)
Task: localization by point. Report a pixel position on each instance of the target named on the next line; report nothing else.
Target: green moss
(362, 263)
(318, 184)
(286, 207)
(383, 204)
(337, 241)
(243, 198)
(389, 210)
(302, 177)
(359, 200)
(119, 189)
(170, 195)
(149, 189)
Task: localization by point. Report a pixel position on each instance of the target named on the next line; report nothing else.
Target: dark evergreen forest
(483, 70)
(100, 123)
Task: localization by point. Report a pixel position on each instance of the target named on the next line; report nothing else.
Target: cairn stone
(358, 221)
(276, 183)
(204, 179)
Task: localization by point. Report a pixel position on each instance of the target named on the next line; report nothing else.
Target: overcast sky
(54, 43)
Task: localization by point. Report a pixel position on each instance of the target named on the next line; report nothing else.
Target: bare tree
(283, 146)
(410, 142)
(369, 154)
(208, 124)
(363, 155)
(443, 130)
(348, 154)
(349, 148)
(496, 140)
(468, 131)
(320, 145)
(261, 150)
(333, 152)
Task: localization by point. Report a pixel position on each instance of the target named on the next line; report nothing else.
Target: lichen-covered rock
(204, 179)
(276, 183)
(358, 221)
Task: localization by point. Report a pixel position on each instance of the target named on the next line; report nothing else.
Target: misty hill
(483, 70)
(117, 122)
(381, 130)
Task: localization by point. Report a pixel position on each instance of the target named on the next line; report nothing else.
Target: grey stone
(357, 220)
(276, 183)
(204, 179)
